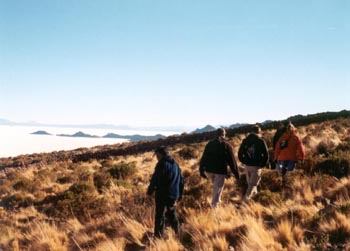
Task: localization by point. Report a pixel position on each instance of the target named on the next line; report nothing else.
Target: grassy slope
(99, 204)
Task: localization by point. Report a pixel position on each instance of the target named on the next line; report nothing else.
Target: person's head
(256, 129)
(161, 152)
(221, 133)
(290, 127)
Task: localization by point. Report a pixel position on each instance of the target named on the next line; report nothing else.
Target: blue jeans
(283, 166)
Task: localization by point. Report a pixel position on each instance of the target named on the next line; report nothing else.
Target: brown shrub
(266, 197)
(337, 165)
(17, 200)
(123, 170)
(80, 200)
(102, 180)
(188, 152)
(270, 180)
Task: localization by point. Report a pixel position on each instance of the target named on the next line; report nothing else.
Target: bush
(24, 184)
(344, 146)
(323, 148)
(66, 179)
(337, 165)
(45, 175)
(266, 197)
(270, 180)
(102, 180)
(123, 170)
(17, 200)
(109, 163)
(188, 152)
(80, 201)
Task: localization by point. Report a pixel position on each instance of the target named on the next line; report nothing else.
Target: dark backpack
(253, 151)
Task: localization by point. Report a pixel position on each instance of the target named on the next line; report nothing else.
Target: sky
(169, 63)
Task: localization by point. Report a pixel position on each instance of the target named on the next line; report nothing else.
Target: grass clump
(188, 152)
(17, 200)
(102, 180)
(337, 165)
(123, 170)
(81, 200)
(267, 197)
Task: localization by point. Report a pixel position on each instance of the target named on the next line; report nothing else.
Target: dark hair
(256, 129)
(220, 132)
(162, 150)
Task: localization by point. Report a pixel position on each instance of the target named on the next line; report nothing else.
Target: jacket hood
(290, 133)
(252, 137)
(169, 159)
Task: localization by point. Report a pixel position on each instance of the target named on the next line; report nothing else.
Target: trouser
(218, 185)
(253, 174)
(283, 166)
(165, 209)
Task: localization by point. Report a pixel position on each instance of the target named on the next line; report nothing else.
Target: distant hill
(6, 122)
(99, 126)
(135, 137)
(78, 134)
(237, 125)
(207, 128)
(141, 147)
(41, 133)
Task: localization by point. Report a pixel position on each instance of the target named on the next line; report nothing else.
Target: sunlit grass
(68, 206)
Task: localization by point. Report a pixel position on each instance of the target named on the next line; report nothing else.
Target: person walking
(218, 153)
(253, 153)
(289, 149)
(168, 183)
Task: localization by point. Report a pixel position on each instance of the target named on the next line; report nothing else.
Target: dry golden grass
(309, 214)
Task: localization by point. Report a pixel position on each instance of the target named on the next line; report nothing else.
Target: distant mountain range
(133, 138)
(100, 126)
(41, 133)
(78, 135)
(207, 128)
(178, 129)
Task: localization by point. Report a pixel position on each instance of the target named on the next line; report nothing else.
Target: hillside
(94, 199)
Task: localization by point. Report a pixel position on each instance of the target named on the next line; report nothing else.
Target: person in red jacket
(289, 149)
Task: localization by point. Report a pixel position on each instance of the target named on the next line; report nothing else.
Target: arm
(300, 150)
(181, 185)
(231, 160)
(153, 182)
(265, 153)
(202, 162)
(277, 149)
(241, 156)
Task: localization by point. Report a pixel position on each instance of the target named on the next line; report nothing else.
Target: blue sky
(184, 62)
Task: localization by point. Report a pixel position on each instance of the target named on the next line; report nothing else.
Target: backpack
(253, 152)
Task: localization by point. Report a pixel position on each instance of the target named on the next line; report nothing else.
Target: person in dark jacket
(217, 154)
(168, 184)
(253, 153)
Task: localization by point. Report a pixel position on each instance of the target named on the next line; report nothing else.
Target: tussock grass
(101, 205)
